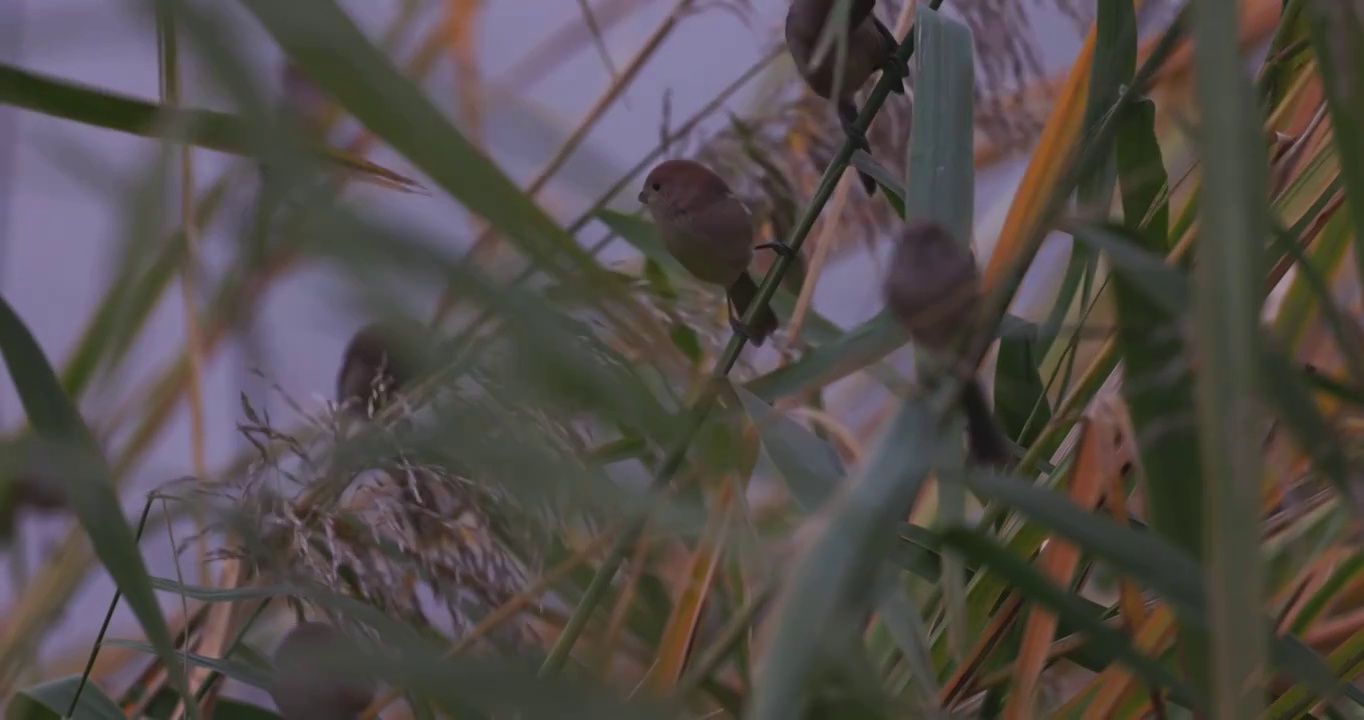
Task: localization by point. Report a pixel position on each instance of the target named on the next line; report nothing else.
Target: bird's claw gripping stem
(779, 248)
(858, 137)
(737, 325)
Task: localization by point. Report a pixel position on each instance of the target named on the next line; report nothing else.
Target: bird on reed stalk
(932, 288)
(311, 680)
(371, 371)
(710, 232)
(870, 46)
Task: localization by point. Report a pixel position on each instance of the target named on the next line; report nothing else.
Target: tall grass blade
(1232, 206)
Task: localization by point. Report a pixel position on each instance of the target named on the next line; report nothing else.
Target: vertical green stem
(596, 589)
(1227, 303)
(104, 627)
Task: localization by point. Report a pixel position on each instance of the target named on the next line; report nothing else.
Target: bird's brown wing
(726, 229)
(861, 10)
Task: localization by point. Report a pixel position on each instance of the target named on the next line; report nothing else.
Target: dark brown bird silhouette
(870, 47)
(933, 290)
(310, 680)
(710, 233)
(372, 370)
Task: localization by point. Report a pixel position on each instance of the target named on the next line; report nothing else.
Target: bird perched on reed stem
(932, 289)
(870, 46)
(710, 233)
(372, 372)
(311, 680)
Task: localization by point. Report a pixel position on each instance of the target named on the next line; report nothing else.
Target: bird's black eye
(656, 187)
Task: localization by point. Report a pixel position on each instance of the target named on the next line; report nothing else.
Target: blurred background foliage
(565, 489)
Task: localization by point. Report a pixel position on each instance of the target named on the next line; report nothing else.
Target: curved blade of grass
(1154, 562)
(843, 558)
(1338, 41)
(811, 468)
(895, 191)
(1040, 589)
(1347, 660)
(1347, 572)
(1287, 393)
(857, 348)
(1326, 305)
(1301, 303)
(85, 479)
(1160, 287)
(202, 128)
(1151, 300)
(813, 471)
(223, 709)
(214, 594)
(417, 663)
(1045, 172)
(315, 33)
(1020, 396)
(128, 302)
(903, 620)
(1115, 60)
(1059, 561)
(679, 634)
(240, 672)
(50, 700)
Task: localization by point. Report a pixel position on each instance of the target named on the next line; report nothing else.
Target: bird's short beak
(642, 198)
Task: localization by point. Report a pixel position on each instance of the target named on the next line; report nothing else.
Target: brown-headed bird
(371, 372)
(870, 47)
(710, 232)
(311, 680)
(933, 288)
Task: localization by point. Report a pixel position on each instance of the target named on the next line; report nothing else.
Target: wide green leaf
(1141, 272)
(164, 704)
(52, 699)
(83, 475)
(845, 558)
(1228, 271)
(894, 190)
(811, 468)
(203, 128)
(941, 183)
(1020, 395)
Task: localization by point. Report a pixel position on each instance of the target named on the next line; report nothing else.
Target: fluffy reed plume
(773, 161)
(374, 513)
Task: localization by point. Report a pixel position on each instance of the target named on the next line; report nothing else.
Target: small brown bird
(870, 47)
(933, 290)
(371, 372)
(710, 232)
(310, 681)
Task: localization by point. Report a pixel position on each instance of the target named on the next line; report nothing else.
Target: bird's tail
(847, 114)
(742, 294)
(868, 183)
(794, 279)
(988, 445)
